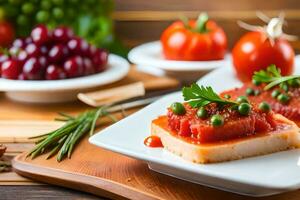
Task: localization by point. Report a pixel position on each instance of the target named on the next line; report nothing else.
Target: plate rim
(148, 158)
(117, 65)
(137, 58)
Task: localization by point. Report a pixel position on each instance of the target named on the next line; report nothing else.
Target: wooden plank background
(142, 21)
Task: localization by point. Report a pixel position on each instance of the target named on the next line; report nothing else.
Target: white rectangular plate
(256, 176)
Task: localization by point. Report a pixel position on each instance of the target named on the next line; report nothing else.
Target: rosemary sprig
(272, 76)
(63, 140)
(198, 96)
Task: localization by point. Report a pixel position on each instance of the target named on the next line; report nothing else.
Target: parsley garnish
(198, 96)
(272, 77)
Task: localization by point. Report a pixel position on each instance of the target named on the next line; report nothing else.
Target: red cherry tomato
(7, 34)
(254, 52)
(182, 42)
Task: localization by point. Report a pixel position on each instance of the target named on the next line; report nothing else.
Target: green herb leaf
(272, 76)
(198, 96)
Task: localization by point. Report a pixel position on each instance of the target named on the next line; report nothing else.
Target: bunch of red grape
(51, 55)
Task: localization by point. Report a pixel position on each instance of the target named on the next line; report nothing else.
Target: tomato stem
(201, 23)
(185, 20)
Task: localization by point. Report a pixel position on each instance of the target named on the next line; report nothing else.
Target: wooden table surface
(13, 186)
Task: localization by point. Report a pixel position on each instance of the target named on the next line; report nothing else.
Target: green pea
(283, 98)
(27, 8)
(284, 86)
(275, 93)
(264, 106)
(227, 96)
(256, 92)
(244, 108)
(249, 92)
(242, 99)
(178, 108)
(217, 120)
(255, 82)
(42, 16)
(202, 113)
(58, 13)
(294, 82)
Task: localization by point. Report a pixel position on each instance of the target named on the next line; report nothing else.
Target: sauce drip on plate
(153, 141)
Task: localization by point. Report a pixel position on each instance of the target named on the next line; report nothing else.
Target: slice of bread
(286, 138)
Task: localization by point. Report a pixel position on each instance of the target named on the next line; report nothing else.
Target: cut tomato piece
(290, 110)
(235, 126)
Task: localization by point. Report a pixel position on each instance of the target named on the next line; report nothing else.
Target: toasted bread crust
(230, 150)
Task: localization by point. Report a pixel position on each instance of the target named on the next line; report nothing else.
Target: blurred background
(140, 21)
(119, 25)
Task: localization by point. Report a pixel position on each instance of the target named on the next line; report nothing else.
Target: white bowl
(149, 55)
(63, 90)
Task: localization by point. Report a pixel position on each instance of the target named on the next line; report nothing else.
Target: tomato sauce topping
(153, 141)
(289, 109)
(235, 125)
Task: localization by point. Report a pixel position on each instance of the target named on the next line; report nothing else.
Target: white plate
(63, 90)
(256, 176)
(150, 54)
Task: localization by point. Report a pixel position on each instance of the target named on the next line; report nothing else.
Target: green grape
(58, 13)
(22, 20)
(27, 8)
(105, 25)
(46, 4)
(42, 16)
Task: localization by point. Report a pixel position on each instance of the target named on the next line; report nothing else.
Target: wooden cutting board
(108, 174)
